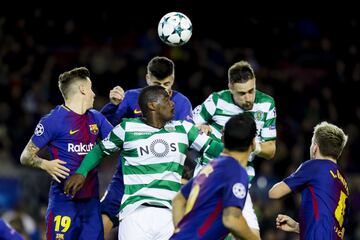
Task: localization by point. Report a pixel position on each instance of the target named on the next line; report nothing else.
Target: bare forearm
(237, 225)
(179, 204)
(29, 156)
(267, 150)
(279, 190)
(241, 230)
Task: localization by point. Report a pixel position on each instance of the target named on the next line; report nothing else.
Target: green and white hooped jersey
(219, 107)
(153, 159)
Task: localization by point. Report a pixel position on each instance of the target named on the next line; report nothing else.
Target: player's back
(209, 196)
(69, 137)
(324, 204)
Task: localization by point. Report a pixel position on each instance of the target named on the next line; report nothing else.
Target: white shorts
(249, 213)
(147, 223)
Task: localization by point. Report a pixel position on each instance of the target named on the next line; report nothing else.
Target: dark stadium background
(308, 62)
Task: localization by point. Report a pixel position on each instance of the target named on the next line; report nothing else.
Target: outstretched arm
(266, 149)
(233, 220)
(287, 224)
(55, 168)
(279, 190)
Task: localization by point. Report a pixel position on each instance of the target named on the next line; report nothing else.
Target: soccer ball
(175, 29)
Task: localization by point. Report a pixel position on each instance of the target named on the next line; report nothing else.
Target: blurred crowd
(311, 66)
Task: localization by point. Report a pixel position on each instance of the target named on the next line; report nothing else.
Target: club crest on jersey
(94, 128)
(258, 115)
(59, 236)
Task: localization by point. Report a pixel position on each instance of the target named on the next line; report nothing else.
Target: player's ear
(253, 145)
(148, 79)
(151, 106)
(82, 88)
(315, 148)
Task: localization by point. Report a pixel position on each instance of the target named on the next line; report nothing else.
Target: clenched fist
(116, 95)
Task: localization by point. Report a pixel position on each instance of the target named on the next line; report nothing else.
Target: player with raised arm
(210, 205)
(153, 148)
(242, 96)
(324, 190)
(69, 132)
(160, 71)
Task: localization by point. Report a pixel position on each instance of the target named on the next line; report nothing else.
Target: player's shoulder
(229, 165)
(215, 96)
(179, 123)
(179, 96)
(133, 92)
(309, 164)
(96, 114)
(56, 113)
(262, 97)
(94, 111)
(223, 93)
(127, 121)
(230, 162)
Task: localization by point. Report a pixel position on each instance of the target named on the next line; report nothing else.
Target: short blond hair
(240, 72)
(330, 139)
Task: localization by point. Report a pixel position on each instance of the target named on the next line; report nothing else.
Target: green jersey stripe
(148, 178)
(153, 168)
(159, 184)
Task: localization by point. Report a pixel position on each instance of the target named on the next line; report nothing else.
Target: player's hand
(116, 95)
(204, 129)
(287, 224)
(55, 168)
(74, 184)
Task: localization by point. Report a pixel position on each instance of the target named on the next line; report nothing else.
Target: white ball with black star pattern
(175, 29)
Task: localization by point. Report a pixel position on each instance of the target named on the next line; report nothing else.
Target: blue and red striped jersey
(222, 183)
(69, 137)
(324, 199)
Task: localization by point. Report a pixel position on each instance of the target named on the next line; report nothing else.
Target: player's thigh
(249, 214)
(135, 226)
(61, 221)
(91, 221)
(162, 223)
(147, 223)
